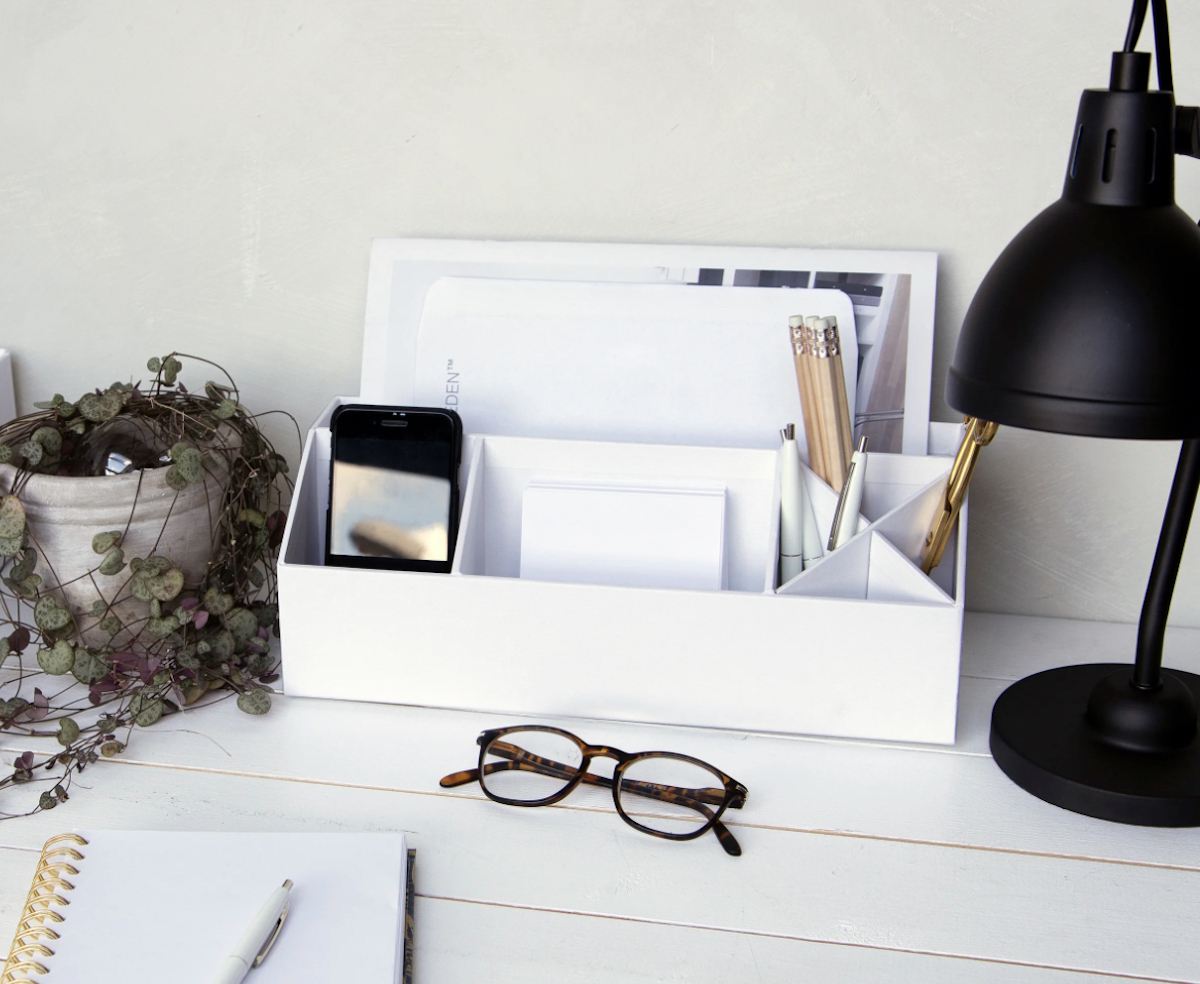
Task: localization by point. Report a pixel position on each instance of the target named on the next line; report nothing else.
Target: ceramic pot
(64, 513)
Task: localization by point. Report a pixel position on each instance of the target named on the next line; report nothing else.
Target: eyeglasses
(671, 795)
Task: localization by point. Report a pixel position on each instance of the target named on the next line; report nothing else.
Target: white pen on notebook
(258, 938)
(845, 520)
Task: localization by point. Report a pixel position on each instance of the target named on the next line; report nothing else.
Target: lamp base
(1042, 741)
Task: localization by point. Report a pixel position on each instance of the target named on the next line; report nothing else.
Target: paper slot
(492, 528)
(621, 532)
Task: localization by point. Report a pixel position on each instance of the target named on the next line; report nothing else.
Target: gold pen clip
(266, 947)
(978, 434)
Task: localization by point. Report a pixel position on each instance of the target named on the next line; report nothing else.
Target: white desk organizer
(861, 645)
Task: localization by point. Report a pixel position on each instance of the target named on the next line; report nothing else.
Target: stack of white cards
(632, 534)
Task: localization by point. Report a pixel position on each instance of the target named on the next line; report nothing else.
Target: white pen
(845, 520)
(799, 538)
(252, 948)
(791, 507)
(811, 535)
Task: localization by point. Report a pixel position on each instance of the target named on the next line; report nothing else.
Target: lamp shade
(1089, 321)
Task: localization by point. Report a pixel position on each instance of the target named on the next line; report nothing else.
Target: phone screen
(392, 487)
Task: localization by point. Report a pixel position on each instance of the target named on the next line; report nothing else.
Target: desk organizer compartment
(500, 468)
(861, 645)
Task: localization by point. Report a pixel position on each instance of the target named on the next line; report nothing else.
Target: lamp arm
(1153, 623)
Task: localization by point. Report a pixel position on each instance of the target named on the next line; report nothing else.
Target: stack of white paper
(637, 535)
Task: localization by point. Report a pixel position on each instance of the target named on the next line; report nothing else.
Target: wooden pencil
(810, 372)
(804, 381)
(832, 405)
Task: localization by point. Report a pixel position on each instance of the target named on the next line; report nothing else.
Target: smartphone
(393, 488)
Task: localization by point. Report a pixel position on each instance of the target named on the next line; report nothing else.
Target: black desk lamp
(1089, 323)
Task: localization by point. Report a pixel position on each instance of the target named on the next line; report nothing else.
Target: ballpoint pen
(799, 537)
(791, 508)
(258, 938)
(978, 434)
(845, 520)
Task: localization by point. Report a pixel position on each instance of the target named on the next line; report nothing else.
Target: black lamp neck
(1123, 151)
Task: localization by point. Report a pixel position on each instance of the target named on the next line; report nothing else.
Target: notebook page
(154, 906)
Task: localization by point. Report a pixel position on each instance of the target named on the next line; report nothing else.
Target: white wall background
(208, 176)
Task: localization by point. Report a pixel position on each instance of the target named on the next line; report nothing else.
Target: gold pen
(979, 434)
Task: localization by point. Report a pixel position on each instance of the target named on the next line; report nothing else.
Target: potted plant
(139, 528)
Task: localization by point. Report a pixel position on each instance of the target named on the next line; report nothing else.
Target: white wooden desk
(862, 861)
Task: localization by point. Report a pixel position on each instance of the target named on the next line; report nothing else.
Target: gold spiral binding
(49, 884)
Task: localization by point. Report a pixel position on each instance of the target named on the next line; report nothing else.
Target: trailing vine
(155, 638)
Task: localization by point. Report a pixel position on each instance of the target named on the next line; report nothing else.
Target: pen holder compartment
(862, 645)
(881, 562)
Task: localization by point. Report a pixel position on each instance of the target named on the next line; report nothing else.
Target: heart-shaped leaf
(113, 562)
(68, 732)
(58, 660)
(33, 453)
(160, 628)
(145, 710)
(24, 567)
(88, 667)
(221, 644)
(175, 478)
(103, 542)
(242, 623)
(167, 585)
(254, 702)
(49, 438)
(12, 517)
(217, 601)
(50, 616)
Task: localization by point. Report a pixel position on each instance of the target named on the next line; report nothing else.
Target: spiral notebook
(142, 907)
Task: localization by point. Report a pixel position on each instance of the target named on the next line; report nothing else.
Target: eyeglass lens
(670, 795)
(527, 766)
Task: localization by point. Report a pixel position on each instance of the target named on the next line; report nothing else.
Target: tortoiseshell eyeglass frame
(710, 802)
